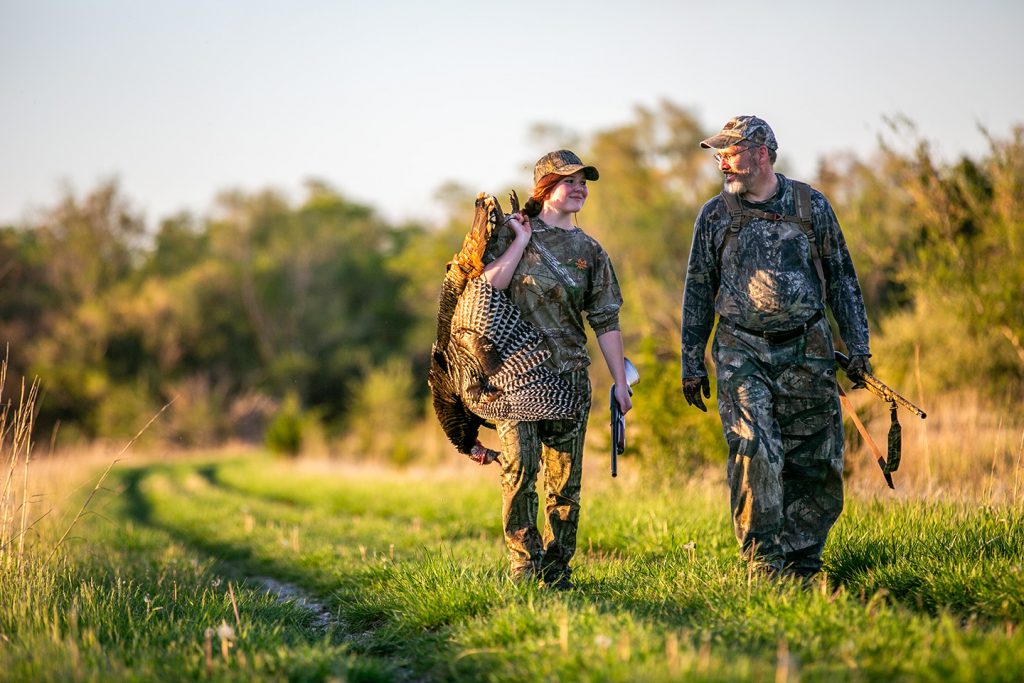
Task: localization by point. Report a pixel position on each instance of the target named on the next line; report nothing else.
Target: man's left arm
(844, 295)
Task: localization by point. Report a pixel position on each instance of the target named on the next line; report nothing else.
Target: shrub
(284, 435)
(674, 437)
(384, 412)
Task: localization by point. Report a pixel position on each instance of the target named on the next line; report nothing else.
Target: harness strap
(736, 215)
(805, 219)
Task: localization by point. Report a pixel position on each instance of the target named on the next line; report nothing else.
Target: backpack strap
(805, 219)
(737, 220)
(732, 204)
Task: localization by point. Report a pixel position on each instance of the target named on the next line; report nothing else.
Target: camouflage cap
(740, 128)
(562, 162)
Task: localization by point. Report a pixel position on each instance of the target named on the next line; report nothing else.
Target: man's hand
(692, 389)
(858, 365)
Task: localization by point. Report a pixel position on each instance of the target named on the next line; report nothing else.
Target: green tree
(654, 180)
(938, 250)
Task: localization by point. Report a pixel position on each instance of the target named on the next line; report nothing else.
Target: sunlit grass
(411, 565)
(163, 574)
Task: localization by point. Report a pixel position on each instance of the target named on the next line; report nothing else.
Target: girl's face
(569, 195)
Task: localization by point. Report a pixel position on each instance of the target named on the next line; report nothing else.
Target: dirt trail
(323, 619)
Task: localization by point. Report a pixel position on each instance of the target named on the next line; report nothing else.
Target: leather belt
(781, 336)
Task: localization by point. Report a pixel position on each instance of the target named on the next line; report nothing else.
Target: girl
(554, 272)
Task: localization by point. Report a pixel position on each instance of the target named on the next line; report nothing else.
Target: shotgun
(618, 420)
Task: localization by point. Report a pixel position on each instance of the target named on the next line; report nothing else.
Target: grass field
(166, 577)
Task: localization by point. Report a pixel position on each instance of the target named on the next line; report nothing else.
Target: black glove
(692, 389)
(855, 370)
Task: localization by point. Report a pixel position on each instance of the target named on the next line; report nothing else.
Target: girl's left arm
(611, 348)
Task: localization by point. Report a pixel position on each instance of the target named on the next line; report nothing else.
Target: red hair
(541, 191)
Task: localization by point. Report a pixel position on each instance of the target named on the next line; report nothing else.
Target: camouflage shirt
(562, 274)
(765, 278)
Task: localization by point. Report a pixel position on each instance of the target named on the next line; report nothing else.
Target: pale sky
(388, 100)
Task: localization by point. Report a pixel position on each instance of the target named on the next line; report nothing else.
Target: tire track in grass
(378, 614)
(323, 619)
(240, 562)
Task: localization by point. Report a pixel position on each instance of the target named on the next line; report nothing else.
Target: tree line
(268, 316)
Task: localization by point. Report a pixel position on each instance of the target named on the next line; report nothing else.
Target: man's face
(739, 165)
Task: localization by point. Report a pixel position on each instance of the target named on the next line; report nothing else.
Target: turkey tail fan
(488, 362)
(524, 388)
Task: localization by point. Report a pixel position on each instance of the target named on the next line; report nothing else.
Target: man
(767, 256)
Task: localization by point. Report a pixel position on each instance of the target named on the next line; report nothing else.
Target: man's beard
(736, 184)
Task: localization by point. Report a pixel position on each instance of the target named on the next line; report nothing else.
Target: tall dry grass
(38, 491)
(966, 449)
(16, 421)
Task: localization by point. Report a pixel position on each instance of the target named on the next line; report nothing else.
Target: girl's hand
(623, 398)
(520, 225)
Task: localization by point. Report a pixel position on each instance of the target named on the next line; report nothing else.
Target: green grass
(411, 566)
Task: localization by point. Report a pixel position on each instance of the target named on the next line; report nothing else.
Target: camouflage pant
(557, 446)
(780, 414)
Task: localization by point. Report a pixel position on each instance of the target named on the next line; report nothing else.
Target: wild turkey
(488, 362)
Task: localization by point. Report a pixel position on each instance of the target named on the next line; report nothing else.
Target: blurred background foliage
(309, 325)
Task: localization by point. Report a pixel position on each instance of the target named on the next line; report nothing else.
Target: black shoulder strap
(737, 219)
(802, 193)
(732, 204)
(805, 218)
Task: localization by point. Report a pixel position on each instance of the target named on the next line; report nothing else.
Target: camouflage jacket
(764, 278)
(562, 274)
